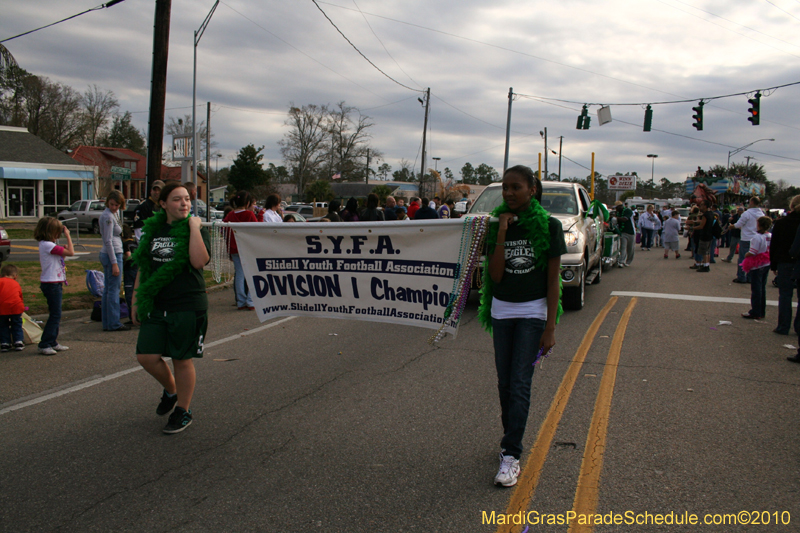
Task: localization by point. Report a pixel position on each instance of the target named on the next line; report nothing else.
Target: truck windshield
(559, 201)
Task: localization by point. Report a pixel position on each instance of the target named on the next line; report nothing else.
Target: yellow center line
(532, 469)
(586, 494)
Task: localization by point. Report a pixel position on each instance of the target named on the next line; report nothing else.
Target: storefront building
(37, 179)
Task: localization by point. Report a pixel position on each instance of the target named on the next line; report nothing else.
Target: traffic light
(648, 118)
(698, 116)
(755, 109)
(583, 119)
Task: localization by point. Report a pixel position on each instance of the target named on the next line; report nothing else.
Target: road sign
(622, 183)
(120, 174)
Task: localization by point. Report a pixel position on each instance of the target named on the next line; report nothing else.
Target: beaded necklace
(473, 232)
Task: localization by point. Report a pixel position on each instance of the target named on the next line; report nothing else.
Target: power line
(777, 6)
(469, 39)
(383, 45)
(101, 6)
(287, 43)
(729, 29)
(732, 22)
(705, 98)
(360, 52)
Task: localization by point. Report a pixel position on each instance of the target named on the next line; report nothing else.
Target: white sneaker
(60, 348)
(509, 471)
(47, 351)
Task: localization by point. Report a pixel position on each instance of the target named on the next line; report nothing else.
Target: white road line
(116, 375)
(692, 297)
(250, 332)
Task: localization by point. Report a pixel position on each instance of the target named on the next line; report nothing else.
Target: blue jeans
(243, 298)
(733, 242)
(758, 291)
(744, 247)
(647, 238)
(786, 287)
(110, 302)
(11, 329)
(52, 293)
(516, 343)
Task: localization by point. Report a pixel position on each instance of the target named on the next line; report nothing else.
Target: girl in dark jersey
(520, 302)
(170, 301)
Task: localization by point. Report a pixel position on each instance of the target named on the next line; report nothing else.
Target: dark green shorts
(175, 334)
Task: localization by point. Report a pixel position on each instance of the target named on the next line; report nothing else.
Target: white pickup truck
(569, 203)
(83, 213)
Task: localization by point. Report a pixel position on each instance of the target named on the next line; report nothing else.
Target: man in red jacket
(412, 207)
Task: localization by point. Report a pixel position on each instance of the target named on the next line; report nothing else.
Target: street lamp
(436, 163)
(197, 36)
(653, 168)
(734, 152)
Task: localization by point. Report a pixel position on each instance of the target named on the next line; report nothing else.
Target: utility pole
(560, 143)
(208, 160)
(427, 104)
(508, 128)
(158, 92)
(747, 166)
(366, 174)
(546, 173)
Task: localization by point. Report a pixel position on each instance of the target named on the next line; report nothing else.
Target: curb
(74, 313)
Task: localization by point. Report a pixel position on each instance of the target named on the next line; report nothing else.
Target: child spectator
(11, 309)
(129, 269)
(54, 275)
(756, 264)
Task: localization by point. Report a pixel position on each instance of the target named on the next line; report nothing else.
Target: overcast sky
(257, 57)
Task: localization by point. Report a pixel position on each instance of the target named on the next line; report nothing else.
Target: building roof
(17, 145)
(105, 158)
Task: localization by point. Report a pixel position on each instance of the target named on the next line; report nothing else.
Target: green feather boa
(151, 283)
(535, 222)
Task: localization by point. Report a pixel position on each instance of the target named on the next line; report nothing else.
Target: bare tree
(350, 141)
(302, 145)
(98, 108)
(52, 111)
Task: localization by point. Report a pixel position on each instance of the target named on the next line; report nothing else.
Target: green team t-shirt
(522, 280)
(187, 292)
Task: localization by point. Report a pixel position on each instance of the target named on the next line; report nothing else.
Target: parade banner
(404, 272)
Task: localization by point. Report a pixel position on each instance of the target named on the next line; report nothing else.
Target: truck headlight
(3, 234)
(571, 237)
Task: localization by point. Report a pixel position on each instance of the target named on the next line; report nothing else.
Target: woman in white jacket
(649, 223)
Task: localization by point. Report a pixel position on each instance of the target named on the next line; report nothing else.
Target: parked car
(305, 210)
(684, 211)
(5, 245)
(569, 203)
(84, 214)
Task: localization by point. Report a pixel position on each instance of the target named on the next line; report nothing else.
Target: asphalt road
(330, 425)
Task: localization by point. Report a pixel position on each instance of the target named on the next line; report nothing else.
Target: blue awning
(12, 173)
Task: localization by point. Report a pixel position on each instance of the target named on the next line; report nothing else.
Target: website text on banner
(396, 272)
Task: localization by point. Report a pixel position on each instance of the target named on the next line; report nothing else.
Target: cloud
(469, 53)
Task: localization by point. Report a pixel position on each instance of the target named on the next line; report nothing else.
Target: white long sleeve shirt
(649, 221)
(747, 223)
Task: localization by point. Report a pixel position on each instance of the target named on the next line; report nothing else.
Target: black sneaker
(166, 404)
(5, 347)
(19, 346)
(704, 269)
(178, 421)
